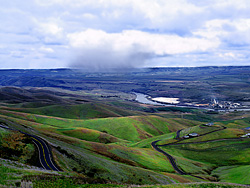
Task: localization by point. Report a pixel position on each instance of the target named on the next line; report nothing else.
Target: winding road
(178, 134)
(45, 154)
(171, 158)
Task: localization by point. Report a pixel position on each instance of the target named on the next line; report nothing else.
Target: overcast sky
(123, 33)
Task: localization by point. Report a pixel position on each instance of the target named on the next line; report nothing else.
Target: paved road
(45, 155)
(180, 139)
(171, 158)
(5, 127)
(178, 134)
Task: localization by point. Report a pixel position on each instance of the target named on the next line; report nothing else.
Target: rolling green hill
(98, 133)
(94, 140)
(82, 111)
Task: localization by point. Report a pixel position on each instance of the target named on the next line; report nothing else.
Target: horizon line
(67, 68)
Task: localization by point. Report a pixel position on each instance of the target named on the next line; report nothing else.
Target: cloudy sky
(99, 34)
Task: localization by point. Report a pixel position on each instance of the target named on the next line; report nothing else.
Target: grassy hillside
(127, 128)
(146, 143)
(237, 123)
(200, 130)
(233, 152)
(13, 172)
(101, 161)
(89, 135)
(226, 133)
(119, 148)
(82, 111)
(132, 128)
(98, 134)
(73, 136)
(233, 174)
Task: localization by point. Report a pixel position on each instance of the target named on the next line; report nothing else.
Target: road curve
(170, 158)
(178, 134)
(45, 154)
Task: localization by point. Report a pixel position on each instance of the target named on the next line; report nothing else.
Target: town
(215, 104)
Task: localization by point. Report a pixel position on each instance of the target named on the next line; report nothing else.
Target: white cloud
(227, 55)
(189, 30)
(89, 16)
(44, 49)
(236, 32)
(49, 28)
(159, 44)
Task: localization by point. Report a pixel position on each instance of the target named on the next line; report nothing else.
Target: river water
(142, 98)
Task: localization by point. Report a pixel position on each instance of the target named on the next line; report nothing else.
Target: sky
(121, 34)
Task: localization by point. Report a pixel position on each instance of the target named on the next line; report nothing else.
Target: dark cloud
(107, 59)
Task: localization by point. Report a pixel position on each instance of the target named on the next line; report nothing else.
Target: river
(142, 98)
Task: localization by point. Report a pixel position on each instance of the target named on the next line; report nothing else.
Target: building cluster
(223, 104)
(191, 135)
